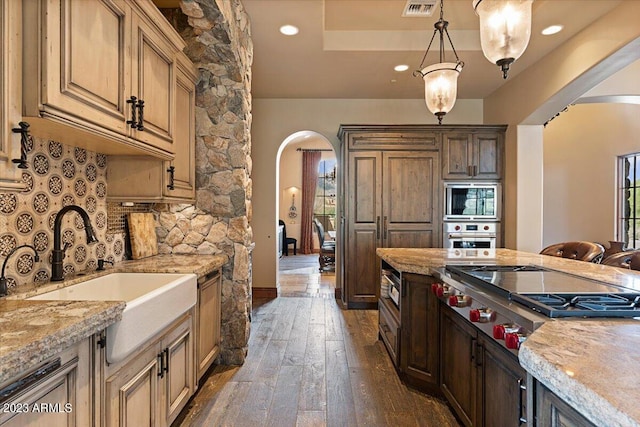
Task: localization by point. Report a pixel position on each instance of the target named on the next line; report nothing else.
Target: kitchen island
(587, 363)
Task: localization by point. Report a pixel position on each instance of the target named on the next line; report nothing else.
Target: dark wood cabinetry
(551, 411)
(483, 382)
(389, 328)
(391, 190)
(391, 199)
(420, 347)
(473, 154)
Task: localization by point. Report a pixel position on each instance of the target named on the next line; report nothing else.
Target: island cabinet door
(420, 336)
(502, 387)
(551, 411)
(458, 371)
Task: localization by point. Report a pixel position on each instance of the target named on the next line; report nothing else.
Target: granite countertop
(33, 330)
(590, 365)
(587, 362)
(421, 261)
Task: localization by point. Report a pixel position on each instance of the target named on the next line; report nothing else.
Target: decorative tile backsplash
(58, 175)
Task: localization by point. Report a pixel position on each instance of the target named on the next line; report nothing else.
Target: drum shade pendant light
(505, 29)
(441, 79)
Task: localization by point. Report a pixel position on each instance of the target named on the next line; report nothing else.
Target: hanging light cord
(440, 27)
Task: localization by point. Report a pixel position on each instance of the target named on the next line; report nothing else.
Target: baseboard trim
(270, 293)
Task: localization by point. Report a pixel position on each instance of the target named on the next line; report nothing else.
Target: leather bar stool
(580, 250)
(623, 259)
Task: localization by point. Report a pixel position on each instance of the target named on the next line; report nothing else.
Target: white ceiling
(348, 48)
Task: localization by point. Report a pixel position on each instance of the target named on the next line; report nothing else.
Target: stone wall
(219, 43)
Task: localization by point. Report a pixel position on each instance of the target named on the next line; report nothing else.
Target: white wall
(581, 146)
(276, 119)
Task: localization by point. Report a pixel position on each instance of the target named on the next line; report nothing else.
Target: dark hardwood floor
(312, 364)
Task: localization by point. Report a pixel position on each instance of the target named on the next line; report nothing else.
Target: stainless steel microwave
(472, 201)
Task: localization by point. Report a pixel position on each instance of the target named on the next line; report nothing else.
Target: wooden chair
(327, 256)
(286, 241)
(580, 250)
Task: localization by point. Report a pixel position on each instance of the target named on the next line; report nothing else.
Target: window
(324, 207)
(629, 200)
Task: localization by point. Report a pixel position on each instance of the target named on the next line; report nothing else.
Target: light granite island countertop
(33, 330)
(589, 363)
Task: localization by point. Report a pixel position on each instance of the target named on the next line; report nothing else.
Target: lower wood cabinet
(208, 321)
(389, 328)
(60, 395)
(420, 347)
(152, 386)
(483, 382)
(552, 411)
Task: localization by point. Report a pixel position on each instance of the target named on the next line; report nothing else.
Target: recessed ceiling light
(402, 67)
(289, 30)
(553, 29)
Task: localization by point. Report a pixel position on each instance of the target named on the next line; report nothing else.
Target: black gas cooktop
(552, 293)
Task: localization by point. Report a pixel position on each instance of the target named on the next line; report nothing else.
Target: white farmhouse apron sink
(153, 301)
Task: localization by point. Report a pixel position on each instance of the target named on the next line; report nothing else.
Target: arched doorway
(303, 273)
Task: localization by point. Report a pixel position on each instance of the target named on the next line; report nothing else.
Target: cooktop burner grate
(571, 305)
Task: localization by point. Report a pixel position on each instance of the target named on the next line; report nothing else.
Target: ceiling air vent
(419, 8)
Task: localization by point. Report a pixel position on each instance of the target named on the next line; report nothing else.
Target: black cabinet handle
(134, 121)
(161, 363)
(378, 227)
(171, 170)
(166, 357)
(521, 390)
(140, 106)
(23, 130)
(473, 350)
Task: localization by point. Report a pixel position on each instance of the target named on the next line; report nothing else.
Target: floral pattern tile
(59, 175)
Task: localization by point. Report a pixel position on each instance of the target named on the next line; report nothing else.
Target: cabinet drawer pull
(166, 357)
(521, 391)
(378, 227)
(384, 228)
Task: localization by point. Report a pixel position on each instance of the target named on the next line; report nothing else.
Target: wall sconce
(293, 211)
(441, 79)
(505, 29)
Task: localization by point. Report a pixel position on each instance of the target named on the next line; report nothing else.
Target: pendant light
(505, 29)
(440, 79)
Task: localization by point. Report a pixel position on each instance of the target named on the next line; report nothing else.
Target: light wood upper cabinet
(10, 88)
(146, 179)
(101, 74)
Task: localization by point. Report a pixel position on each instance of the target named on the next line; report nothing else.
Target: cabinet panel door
(179, 374)
(153, 81)
(488, 155)
(552, 411)
(457, 156)
(208, 327)
(411, 194)
(364, 218)
(89, 77)
(457, 364)
(132, 393)
(420, 331)
(10, 95)
(503, 402)
(184, 141)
